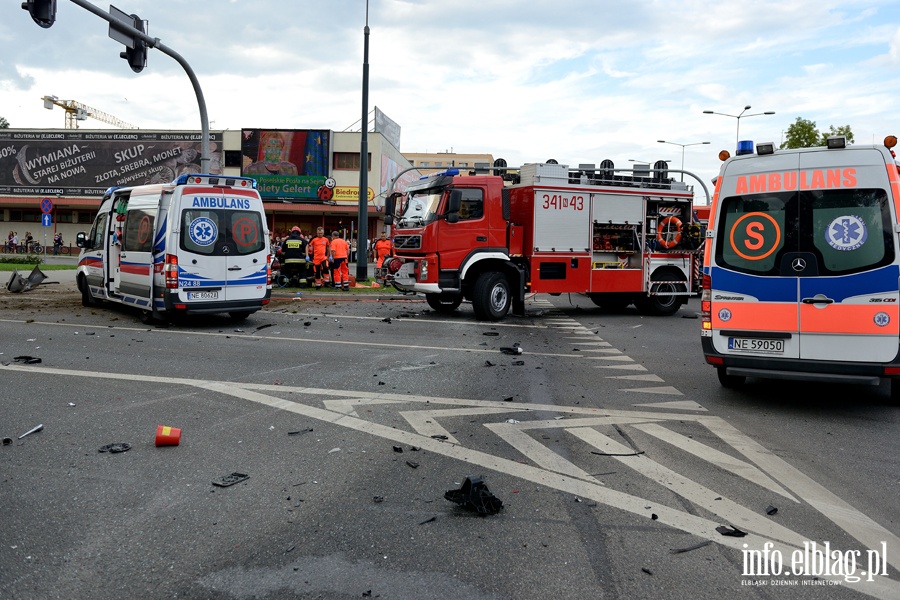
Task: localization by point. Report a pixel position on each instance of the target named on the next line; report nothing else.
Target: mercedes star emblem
(798, 264)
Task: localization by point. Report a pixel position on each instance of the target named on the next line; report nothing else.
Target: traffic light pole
(155, 43)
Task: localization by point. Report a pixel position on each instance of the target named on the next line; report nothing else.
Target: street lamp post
(683, 146)
(362, 256)
(738, 117)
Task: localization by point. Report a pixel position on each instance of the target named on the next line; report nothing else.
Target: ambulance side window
(138, 231)
(98, 231)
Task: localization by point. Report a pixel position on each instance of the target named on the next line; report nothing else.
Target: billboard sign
(87, 163)
(287, 164)
(388, 128)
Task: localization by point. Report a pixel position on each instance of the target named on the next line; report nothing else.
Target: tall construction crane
(76, 111)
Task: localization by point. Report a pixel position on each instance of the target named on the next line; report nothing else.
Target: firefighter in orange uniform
(383, 248)
(340, 254)
(319, 247)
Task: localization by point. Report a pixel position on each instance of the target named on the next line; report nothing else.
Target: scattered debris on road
(227, 480)
(115, 448)
(474, 495)
(32, 430)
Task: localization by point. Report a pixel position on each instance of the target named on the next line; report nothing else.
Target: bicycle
(62, 249)
(33, 247)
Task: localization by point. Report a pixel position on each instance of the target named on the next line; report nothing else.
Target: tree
(803, 134)
(4, 124)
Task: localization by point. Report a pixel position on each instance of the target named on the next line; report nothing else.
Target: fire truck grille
(408, 242)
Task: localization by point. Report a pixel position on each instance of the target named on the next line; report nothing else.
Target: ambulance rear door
(849, 283)
(222, 250)
(755, 293)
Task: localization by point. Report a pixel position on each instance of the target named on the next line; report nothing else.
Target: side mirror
(453, 204)
(81, 240)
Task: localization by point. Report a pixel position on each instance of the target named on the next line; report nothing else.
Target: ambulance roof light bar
(836, 142)
(764, 148)
(196, 178)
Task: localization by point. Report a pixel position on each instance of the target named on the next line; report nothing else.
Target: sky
(578, 81)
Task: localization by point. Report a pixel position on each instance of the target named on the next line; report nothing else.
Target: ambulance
(196, 245)
(801, 265)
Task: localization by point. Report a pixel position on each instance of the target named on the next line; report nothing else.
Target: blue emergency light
(744, 147)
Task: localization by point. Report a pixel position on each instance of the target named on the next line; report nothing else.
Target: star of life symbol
(882, 319)
(725, 314)
(846, 233)
(203, 231)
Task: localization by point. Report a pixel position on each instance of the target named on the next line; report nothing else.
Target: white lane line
(425, 421)
(348, 407)
(714, 502)
(674, 404)
(603, 344)
(716, 457)
(603, 350)
(647, 377)
(666, 389)
(622, 358)
(864, 529)
(634, 367)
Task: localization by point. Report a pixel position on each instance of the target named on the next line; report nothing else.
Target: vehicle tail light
(706, 304)
(171, 271)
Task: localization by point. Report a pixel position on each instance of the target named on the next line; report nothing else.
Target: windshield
(419, 208)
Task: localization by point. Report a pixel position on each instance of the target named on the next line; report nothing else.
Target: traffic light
(42, 11)
(136, 52)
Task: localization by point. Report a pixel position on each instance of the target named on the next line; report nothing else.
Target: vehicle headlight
(423, 270)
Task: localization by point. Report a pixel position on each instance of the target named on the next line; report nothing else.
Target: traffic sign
(46, 205)
(46, 220)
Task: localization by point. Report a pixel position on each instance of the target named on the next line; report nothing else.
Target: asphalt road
(615, 453)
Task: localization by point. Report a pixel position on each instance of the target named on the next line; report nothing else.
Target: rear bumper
(216, 306)
(797, 369)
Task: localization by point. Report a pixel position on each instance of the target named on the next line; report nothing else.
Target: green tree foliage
(803, 134)
(4, 124)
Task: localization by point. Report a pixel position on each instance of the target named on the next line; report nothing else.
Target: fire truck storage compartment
(561, 221)
(616, 234)
(560, 274)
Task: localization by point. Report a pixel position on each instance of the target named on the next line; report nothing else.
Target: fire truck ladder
(76, 111)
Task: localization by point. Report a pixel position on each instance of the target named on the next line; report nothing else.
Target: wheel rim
(665, 295)
(499, 298)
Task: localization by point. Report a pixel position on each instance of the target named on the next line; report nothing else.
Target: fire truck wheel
(664, 301)
(729, 381)
(443, 304)
(86, 298)
(491, 298)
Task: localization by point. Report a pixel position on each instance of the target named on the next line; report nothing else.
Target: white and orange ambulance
(802, 265)
(196, 245)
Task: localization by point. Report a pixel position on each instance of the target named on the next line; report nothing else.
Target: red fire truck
(494, 239)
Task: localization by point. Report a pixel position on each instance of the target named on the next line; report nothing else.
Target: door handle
(817, 300)
(235, 268)
(481, 238)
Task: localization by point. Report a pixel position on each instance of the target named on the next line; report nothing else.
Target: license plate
(203, 295)
(756, 345)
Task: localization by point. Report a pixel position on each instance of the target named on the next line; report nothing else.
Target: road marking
(761, 531)
(665, 389)
(676, 404)
(647, 377)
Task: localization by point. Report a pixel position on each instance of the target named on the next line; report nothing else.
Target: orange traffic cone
(167, 436)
